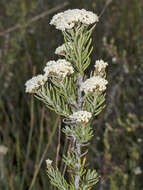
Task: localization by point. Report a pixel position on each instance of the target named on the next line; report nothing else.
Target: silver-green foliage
(64, 96)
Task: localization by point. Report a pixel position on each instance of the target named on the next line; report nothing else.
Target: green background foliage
(27, 129)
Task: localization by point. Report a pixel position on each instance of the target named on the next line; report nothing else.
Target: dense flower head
(100, 65)
(48, 163)
(61, 50)
(81, 116)
(93, 84)
(68, 19)
(35, 82)
(60, 68)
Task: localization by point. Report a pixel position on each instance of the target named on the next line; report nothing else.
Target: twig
(84, 153)
(105, 7)
(36, 18)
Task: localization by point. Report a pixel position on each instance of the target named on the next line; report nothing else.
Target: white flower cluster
(93, 84)
(59, 68)
(81, 116)
(34, 83)
(100, 65)
(48, 163)
(61, 50)
(66, 20)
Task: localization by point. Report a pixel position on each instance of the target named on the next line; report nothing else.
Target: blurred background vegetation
(29, 132)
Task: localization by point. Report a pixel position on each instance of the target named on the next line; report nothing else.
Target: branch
(34, 19)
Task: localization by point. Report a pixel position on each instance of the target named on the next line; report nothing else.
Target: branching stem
(77, 145)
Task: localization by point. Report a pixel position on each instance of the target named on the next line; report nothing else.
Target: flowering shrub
(64, 88)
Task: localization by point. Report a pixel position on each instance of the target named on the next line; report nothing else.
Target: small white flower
(114, 59)
(60, 68)
(61, 50)
(56, 18)
(93, 84)
(81, 116)
(68, 19)
(137, 170)
(48, 163)
(3, 150)
(139, 140)
(100, 65)
(34, 83)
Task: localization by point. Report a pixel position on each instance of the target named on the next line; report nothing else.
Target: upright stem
(78, 165)
(79, 92)
(77, 145)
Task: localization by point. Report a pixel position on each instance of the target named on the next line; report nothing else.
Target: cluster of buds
(81, 117)
(48, 163)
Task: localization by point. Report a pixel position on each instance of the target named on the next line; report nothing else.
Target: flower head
(34, 83)
(60, 68)
(81, 116)
(69, 18)
(100, 65)
(61, 50)
(48, 163)
(93, 84)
